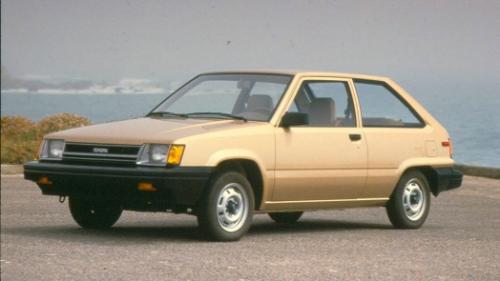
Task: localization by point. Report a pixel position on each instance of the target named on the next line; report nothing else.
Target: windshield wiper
(227, 115)
(167, 114)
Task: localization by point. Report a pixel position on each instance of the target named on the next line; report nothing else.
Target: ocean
(472, 121)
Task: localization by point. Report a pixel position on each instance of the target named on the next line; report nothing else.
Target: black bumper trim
(447, 178)
(36, 167)
(178, 185)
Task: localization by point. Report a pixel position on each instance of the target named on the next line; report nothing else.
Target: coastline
(479, 171)
(468, 170)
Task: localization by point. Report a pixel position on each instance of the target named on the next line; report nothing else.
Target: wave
(123, 86)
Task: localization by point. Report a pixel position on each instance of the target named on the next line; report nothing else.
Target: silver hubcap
(414, 201)
(232, 207)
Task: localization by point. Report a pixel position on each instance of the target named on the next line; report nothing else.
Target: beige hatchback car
(227, 145)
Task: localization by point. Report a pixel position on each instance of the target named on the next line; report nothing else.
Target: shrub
(18, 127)
(19, 152)
(21, 137)
(61, 121)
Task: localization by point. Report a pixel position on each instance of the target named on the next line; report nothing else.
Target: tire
(410, 202)
(94, 214)
(286, 218)
(226, 210)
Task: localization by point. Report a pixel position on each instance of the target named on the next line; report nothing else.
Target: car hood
(148, 130)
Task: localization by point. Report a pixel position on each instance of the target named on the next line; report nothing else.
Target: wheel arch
(430, 174)
(251, 170)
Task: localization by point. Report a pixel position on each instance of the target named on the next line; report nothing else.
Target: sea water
(472, 121)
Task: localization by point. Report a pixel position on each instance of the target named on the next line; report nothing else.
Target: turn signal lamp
(44, 181)
(146, 186)
(175, 154)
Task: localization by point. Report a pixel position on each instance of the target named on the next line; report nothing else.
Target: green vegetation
(21, 137)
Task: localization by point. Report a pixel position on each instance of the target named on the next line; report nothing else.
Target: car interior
(258, 107)
(322, 111)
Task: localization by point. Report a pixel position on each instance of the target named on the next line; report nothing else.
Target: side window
(382, 107)
(327, 103)
(301, 102)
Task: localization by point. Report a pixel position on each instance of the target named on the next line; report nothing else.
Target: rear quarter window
(381, 106)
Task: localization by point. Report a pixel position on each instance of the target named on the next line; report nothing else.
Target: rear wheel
(94, 214)
(286, 218)
(410, 203)
(226, 211)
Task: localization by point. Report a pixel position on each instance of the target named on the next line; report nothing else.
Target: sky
(445, 53)
(173, 40)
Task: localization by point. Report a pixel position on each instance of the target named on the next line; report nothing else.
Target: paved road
(460, 241)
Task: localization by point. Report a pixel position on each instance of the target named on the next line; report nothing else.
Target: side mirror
(294, 119)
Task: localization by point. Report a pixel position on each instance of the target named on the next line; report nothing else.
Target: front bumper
(176, 186)
(447, 178)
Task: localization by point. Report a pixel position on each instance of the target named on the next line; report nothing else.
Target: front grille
(95, 154)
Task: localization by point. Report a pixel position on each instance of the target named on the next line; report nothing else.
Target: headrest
(259, 102)
(322, 112)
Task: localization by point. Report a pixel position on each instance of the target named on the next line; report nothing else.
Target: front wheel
(226, 211)
(94, 214)
(410, 202)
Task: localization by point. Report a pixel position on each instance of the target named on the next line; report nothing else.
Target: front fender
(242, 154)
(228, 154)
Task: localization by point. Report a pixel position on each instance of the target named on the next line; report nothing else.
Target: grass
(21, 137)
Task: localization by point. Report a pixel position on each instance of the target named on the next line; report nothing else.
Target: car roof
(301, 73)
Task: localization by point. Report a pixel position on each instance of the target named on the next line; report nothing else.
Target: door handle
(355, 137)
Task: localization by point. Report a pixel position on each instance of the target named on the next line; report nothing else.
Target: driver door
(325, 160)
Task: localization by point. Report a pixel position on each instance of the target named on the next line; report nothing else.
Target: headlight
(160, 154)
(52, 150)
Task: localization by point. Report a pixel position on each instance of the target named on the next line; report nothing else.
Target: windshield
(237, 96)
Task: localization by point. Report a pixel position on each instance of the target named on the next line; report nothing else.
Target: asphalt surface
(460, 241)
